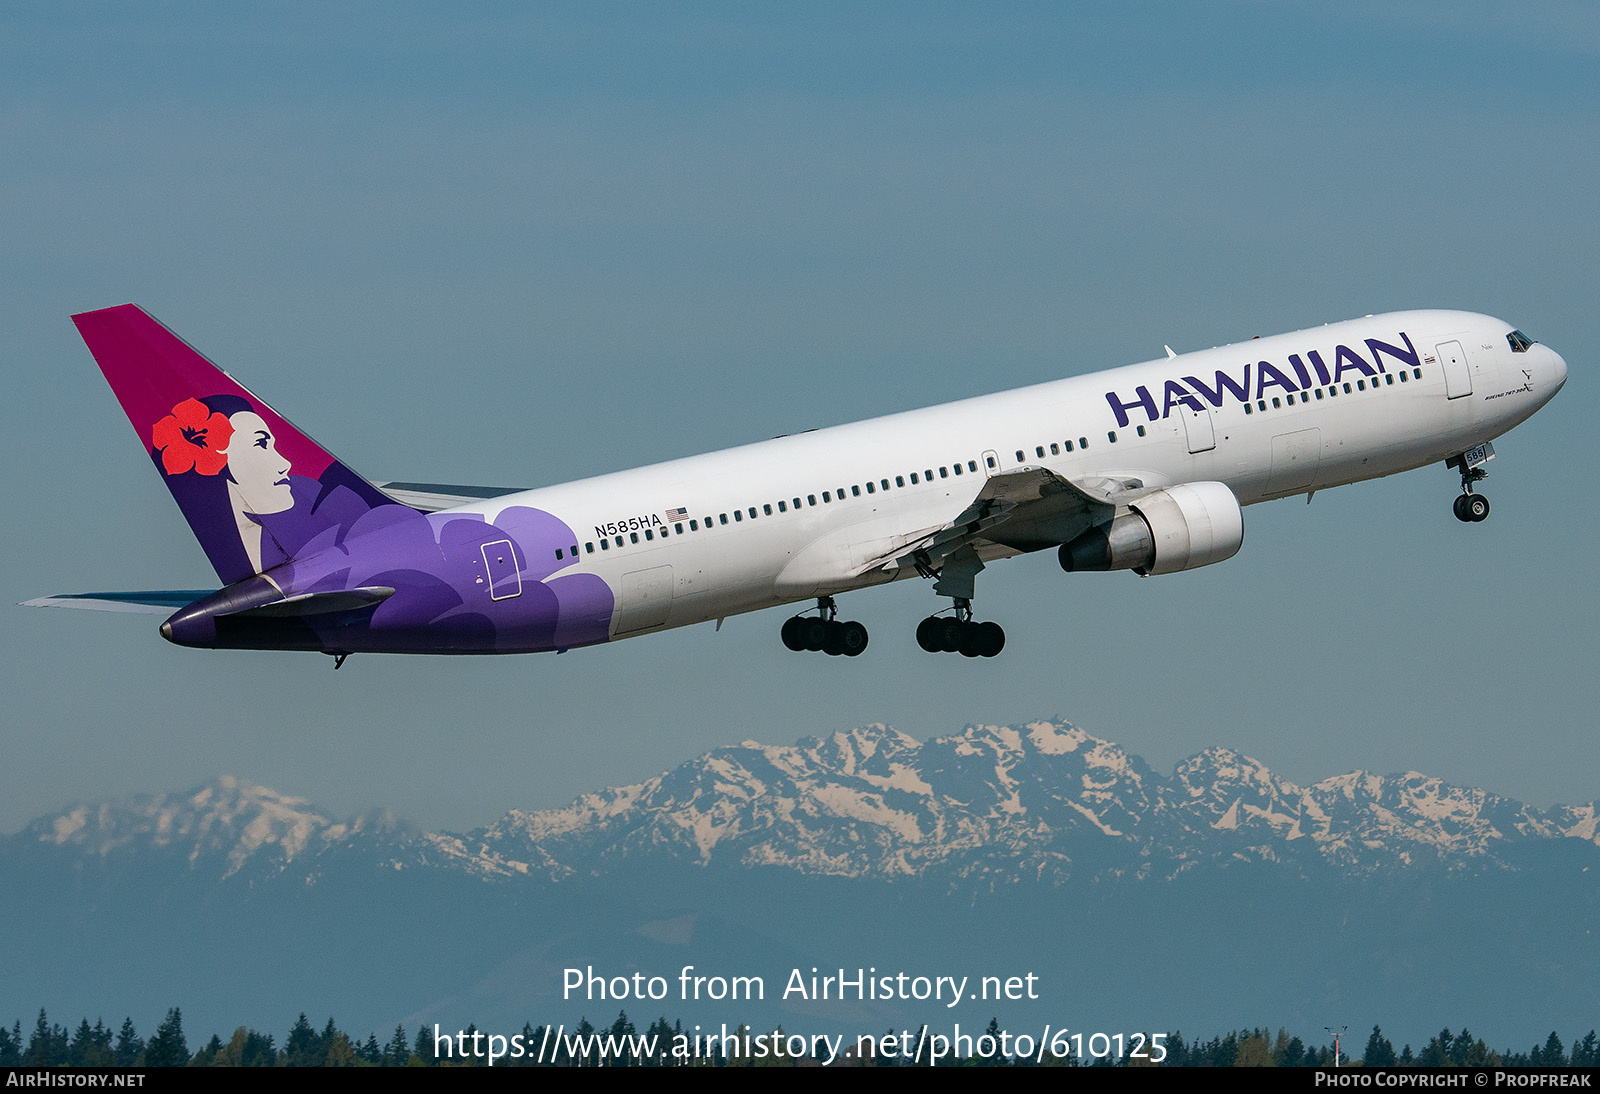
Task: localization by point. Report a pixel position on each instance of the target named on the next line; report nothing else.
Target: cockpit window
(1519, 341)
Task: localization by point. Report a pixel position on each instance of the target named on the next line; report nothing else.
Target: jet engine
(1178, 528)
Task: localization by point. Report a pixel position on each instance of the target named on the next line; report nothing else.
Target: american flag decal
(677, 514)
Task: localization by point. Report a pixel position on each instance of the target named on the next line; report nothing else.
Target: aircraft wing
(1028, 509)
(430, 497)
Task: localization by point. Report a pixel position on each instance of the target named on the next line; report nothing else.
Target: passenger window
(678, 528)
(913, 478)
(1416, 374)
(738, 515)
(796, 504)
(1247, 408)
(972, 465)
(1069, 446)
(589, 547)
(605, 545)
(811, 499)
(927, 475)
(558, 553)
(958, 469)
(1112, 436)
(869, 488)
(885, 483)
(1319, 393)
(724, 518)
(943, 474)
(619, 541)
(855, 491)
(1083, 442)
(633, 536)
(767, 509)
(825, 498)
(1347, 389)
(1020, 458)
(1361, 385)
(782, 508)
(1141, 431)
(1389, 378)
(1403, 376)
(694, 526)
(899, 480)
(647, 535)
(753, 512)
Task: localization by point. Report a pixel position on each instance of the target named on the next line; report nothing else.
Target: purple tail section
(254, 489)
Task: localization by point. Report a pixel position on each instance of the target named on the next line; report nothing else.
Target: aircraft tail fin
(255, 490)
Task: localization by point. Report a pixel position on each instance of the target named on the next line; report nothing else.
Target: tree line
(52, 1045)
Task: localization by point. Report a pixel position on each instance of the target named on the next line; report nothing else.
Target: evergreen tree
(1379, 1052)
(369, 1052)
(167, 1047)
(11, 1046)
(423, 1048)
(1554, 1053)
(48, 1047)
(397, 1052)
(208, 1055)
(1436, 1053)
(303, 1048)
(621, 1028)
(130, 1047)
(993, 1057)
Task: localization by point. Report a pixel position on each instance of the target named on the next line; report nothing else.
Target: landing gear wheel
(929, 636)
(815, 633)
(950, 632)
(991, 639)
(852, 638)
(793, 633)
(833, 644)
(1460, 508)
(1477, 508)
(971, 639)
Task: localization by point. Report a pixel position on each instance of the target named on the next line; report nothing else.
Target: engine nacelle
(1178, 528)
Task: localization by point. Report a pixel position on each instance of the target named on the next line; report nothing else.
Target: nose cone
(1558, 371)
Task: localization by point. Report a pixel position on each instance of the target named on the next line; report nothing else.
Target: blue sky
(516, 247)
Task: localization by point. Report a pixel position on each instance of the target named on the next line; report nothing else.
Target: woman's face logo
(260, 474)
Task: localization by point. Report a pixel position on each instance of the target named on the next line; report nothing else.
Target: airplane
(1143, 468)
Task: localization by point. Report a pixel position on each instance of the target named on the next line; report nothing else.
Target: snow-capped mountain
(1042, 802)
(1220, 888)
(994, 805)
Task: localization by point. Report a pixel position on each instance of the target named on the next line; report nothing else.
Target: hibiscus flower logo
(193, 437)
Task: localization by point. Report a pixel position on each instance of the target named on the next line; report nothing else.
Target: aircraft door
(500, 563)
(644, 599)
(1201, 432)
(1295, 457)
(1457, 376)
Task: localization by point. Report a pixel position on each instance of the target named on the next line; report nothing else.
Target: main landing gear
(960, 633)
(825, 633)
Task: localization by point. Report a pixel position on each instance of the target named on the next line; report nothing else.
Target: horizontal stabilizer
(431, 497)
(318, 603)
(155, 602)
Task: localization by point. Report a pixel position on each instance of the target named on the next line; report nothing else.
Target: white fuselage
(793, 518)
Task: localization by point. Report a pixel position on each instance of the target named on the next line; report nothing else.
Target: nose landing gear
(1471, 508)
